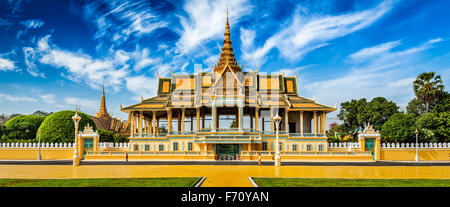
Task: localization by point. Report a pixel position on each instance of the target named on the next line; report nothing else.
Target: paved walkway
(222, 175)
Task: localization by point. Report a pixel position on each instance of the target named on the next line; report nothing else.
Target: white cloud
(292, 71)
(388, 74)
(307, 33)
(206, 21)
(6, 65)
(375, 50)
(13, 98)
(86, 103)
(48, 98)
(142, 85)
(117, 20)
(32, 23)
(382, 53)
(30, 59)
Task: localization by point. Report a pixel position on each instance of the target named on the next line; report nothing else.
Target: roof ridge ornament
(157, 74)
(227, 55)
(171, 71)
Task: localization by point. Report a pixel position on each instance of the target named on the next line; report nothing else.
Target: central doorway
(227, 151)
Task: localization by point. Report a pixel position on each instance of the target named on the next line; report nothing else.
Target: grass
(102, 182)
(336, 182)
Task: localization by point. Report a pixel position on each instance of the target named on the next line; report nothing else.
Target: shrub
(105, 136)
(399, 128)
(59, 126)
(120, 138)
(22, 128)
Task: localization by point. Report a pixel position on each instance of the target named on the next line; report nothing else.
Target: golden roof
(227, 55)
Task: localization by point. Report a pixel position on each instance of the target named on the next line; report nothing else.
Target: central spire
(227, 55)
(103, 112)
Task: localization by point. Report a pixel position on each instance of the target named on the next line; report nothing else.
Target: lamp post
(277, 146)
(76, 120)
(417, 143)
(39, 146)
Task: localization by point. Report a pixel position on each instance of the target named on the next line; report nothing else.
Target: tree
(3, 119)
(357, 113)
(441, 103)
(106, 136)
(428, 125)
(426, 87)
(353, 115)
(443, 129)
(416, 107)
(59, 126)
(13, 115)
(41, 113)
(22, 127)
(379, 110)
(120, 138)
(399, 128)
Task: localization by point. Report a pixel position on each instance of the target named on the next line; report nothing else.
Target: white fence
(113, 145)
(61, 145)
(36, 145)
(343, 145)
(413, 145)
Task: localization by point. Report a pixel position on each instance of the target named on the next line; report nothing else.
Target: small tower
(103, 112)
(227, 55)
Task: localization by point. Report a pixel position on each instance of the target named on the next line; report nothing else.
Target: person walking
(259, 159)
(126, 157)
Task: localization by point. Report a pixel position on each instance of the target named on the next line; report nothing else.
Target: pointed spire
(103, 112)
(227, 55)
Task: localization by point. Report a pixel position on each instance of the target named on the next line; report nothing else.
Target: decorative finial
(227, 13)
(120, 106)
(142, 99)
(157, 74)
(296, 74)
(257, 69)
(171, 71)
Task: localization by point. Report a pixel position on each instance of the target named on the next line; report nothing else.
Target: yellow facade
(32, 153)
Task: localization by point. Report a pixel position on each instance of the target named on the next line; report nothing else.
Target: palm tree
(426, 87)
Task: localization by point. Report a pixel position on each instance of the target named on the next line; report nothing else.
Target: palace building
(190, 112)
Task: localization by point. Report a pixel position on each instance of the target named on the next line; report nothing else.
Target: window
(136, 147)
(175, 146)
(308, 147)
(190, 146)
(320, 147)
(281, 147)
(294, 147)
(147, 147)
(264, 146)
(161, 147)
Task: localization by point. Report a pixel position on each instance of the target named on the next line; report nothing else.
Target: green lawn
(101, 182)
(334, 182)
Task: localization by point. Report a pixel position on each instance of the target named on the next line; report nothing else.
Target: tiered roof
(256, 90)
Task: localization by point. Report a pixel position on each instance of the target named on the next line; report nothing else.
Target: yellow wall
(32, 154)
(409, 154)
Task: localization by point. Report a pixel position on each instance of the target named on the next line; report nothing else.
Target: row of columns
(144, 123)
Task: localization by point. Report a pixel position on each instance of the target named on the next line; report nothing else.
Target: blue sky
(55, 54)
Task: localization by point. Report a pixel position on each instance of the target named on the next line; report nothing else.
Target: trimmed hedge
(59, 127)
(105, 136)
(22, 128)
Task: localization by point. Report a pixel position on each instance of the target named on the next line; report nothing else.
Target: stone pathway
(222, 175)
